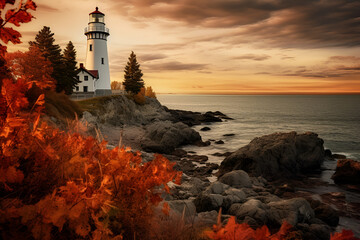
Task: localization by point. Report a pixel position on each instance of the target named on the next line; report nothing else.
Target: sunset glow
(220, 46)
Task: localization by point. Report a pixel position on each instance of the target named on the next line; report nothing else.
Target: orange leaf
(30, 5)
(9, 34)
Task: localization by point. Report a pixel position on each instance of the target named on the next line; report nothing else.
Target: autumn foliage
(236, 231)
(55, 183)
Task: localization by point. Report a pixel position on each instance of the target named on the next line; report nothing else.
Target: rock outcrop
(165, 136)
(277, 155)
(347, 172)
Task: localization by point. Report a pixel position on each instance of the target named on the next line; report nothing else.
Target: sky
(219, 46)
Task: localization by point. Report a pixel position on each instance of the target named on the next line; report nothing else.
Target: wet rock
(328, 153)
(219, 142)
(202, 144)
(237, 179)
(179, 152)
(205, 129)
(296, 210)
(327, 214)
(347, 172)
(277, 155)
(229, 135)
(197, 158)
(226, 154)
(338, 156)
(195, 118)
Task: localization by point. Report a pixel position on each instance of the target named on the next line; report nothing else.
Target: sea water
(336, 118)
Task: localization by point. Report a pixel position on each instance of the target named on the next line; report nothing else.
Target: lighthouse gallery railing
(96, 29)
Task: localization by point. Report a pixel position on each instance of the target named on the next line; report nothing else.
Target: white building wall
(90, 83)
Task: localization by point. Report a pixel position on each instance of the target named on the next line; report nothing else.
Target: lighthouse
(97, 53)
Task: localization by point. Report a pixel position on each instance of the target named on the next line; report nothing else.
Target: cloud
(47, 8)
(175, 66)
(277, 23)
(254, 57)
(151, 57)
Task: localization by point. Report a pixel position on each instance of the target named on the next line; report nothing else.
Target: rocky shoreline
(264, 182)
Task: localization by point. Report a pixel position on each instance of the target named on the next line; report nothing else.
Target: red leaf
(344, 235)
(30, 5)
(3, 2)
(14, 17)
(9, 34)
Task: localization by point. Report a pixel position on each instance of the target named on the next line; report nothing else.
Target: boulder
(327, 214)
(237, 179)
(216, 188)
(205, 129)
(165, 136)
(219, 142)
(208, 202)
(347, 172)
(252, 208)
(296, 210)
(277, 155)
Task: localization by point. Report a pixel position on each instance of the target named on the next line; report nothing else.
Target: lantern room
(96, 16)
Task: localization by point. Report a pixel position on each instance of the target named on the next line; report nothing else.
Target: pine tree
(133, 81)
(69, 61)
(45, 41)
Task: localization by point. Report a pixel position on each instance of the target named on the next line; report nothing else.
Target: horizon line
(268, 93)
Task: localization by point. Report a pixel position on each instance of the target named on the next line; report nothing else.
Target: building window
(102, 60)
(77, 88)
(90, 47)
(86, 78)
(85, 88)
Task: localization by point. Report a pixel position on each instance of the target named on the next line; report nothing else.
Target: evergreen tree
(69, 61)
(45, 41)
(133, 81)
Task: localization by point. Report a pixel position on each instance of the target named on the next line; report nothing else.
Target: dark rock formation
(236, 179)
(347, 172)
(229, 135)
(219, 142)
(205, 129)
(195, 118)
(277, 155)
(165, 136)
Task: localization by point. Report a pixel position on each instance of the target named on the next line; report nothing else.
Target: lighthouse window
(102, 60)
(86, 78)
(90, 47)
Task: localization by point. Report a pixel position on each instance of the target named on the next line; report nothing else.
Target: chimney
(81, 65)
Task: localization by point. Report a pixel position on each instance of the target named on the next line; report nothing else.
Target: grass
(93, 104)
(59, 105)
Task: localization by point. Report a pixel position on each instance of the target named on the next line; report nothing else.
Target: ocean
(335, 118)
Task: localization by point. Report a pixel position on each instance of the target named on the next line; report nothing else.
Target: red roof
(96, 11)
(93, 73)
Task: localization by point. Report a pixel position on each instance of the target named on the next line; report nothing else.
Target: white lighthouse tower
(97, 53)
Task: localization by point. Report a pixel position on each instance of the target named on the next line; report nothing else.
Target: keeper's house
(87, 80)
